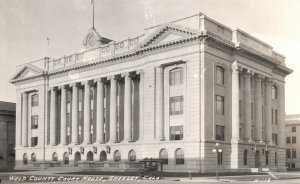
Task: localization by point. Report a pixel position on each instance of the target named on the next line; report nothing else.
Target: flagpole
(93, 11)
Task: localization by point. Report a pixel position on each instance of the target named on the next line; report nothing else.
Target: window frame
(174, 75)
(220, 75)
(34, 100)
(172, 105)
(220, 104)
(179, 156)
(163, 155)
(131, 158)
(34, 122)
(222, 133)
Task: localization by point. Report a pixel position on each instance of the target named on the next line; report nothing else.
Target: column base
(87, 143)
(75, 143)
(160, 139)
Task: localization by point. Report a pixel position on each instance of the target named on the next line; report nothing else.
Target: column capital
(234, 66)
(99, 80)
(258, 76)
(75, 84)
(268, 80)
(53, 88)
(62, 87)
(87, 82)
(159, 69)
(126, 74)
(112, 77)
(140, 72)
(25, 94)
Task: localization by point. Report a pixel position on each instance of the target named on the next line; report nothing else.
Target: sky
(25, 26)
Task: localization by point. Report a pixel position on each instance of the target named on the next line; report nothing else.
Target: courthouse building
(292, 141)
(171, 93)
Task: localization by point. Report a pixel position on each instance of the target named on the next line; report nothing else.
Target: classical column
(63, 116)
(258, 108)
(141, 104)
(25, 120)
(159, 101)
(87, 113)
(113, 109)
(53, 116)
(268, 110)
(247, 106)
(128, 107)
(235, 124)
(75, 138)
(100, 112)
(281, 115)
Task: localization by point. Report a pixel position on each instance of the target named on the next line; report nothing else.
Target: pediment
(167, 33)
(27, 71)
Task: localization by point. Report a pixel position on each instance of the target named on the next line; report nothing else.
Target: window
(293, 140)
(267, 157)
(34, 100)
(274, 92)
(293, 129)
(275, 158)
(245, 157)
(293, 165)
(288, 153)
(275, 116)
(34, 121)
(272, 116)
(33, 157)
(219, 75)
(117, 156)
(176, 76)
(179, 156)
(66, 158)
(220, 133)
(219, 104)
(25, 159)
(274, 138)
(34, 141)
(220, 158)
(176, 105)
(163, 155)
(252, 111)
(54, 157)
(288, 140)
(103, 156)
(240, 108)
(294, 155)
(176, 132)
(131, 156)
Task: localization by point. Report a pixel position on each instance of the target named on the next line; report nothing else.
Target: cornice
(146, 48)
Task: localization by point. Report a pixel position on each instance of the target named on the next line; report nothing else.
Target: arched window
(103, 156)
(179, 156)
(54, 157)
(66, 158)
(132, 156)
(163, 155)
(176, 76)
(245, 157)
(267, 157)
(274, 92)
(34, 100)
(219, 75)
(220, 158)
(89, 156)
(25, 158)
(77, 158)
(117, 156)
(33, 157)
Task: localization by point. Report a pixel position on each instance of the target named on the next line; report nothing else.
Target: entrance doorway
(103, 156)
(77, 158)
(257, 159)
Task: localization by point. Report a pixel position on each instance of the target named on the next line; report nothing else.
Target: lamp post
(217, 150)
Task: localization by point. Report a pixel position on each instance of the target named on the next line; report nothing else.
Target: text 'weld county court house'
(171, 93)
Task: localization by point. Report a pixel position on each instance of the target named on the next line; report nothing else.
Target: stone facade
(7, 135)
(171, 93)
(292, 128)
